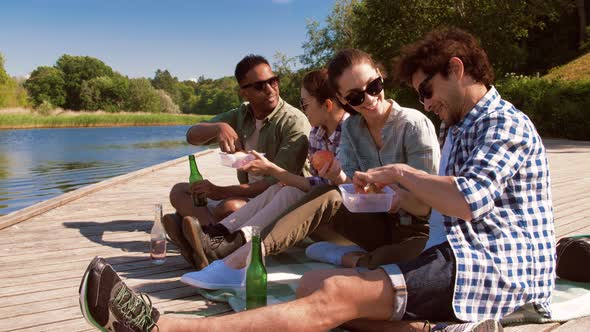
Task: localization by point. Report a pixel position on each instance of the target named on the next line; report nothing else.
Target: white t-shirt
(437, 234)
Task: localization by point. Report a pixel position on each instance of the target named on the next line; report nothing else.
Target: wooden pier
(45, 248)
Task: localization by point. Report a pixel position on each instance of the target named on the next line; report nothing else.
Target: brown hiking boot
(109, 305)
(192, 230)
(210, 246)
(173, 225)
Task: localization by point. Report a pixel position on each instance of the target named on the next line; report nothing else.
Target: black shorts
(429, 285)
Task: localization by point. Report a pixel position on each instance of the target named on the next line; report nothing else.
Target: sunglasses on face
(425, 89)
(260, 85)
(357, 98)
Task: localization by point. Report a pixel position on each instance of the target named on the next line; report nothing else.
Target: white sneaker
(488, 325)
(216, 276)
(329, 252)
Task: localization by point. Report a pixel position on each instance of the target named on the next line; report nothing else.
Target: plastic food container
(236, 160)
(362, 203)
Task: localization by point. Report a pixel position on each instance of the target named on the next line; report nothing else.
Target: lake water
(39, 164)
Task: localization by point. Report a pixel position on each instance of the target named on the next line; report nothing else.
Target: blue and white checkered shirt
(506, 253)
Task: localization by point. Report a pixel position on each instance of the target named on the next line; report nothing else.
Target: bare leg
(328, 299)
(366, 325)
(243, 215)
(181, 200)
(227, 207)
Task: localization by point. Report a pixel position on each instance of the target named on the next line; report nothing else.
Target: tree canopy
(522, 37)
(76, 70)
(508, 30)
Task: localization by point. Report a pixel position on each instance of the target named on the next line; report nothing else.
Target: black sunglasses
(260, 85)
(425, 89)
(357, 98)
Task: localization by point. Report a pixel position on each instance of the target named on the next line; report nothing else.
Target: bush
(13, 94)
(104, 93)
(557, 108)
(142, 97)
(46, 84)
(168, 105)
(44, 108)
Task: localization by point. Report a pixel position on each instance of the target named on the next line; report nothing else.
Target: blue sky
(189, 38)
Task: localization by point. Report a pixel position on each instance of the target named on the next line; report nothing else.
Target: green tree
(167, 104)
(338, 33)
(215, 96)
(4, 84)
(4, 77)
(76, 70)
(186, 93)
(284, 66)
(382, 27)
(46, 84)
(163, 80)
(104, 92)
(142, 97)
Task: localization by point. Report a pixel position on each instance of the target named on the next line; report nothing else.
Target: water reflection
(148, 145)
(39, 164)
(53, 166)
(3, 166)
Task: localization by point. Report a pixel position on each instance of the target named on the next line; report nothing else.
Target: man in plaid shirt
(491, 242)
(492, 233)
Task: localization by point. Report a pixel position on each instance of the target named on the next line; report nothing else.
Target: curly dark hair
(248, 62)
(432, 53)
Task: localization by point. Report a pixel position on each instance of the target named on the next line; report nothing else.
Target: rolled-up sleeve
(229, 117)
(500, 150)
(421, 146)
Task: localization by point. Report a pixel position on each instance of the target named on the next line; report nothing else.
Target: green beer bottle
(255, 275)
(200, 199)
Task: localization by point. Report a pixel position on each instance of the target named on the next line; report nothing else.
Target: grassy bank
(33, 120)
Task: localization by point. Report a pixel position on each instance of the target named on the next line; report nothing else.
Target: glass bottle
(199, 199)
(158, 238)
(256, 277)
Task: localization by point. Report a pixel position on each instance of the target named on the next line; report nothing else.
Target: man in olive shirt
(265, 123)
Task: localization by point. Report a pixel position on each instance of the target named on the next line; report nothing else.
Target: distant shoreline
(27, 119)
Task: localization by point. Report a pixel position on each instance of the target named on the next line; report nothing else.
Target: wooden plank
(79, 266)
(532, 328)
(43, 258)
(577, 325)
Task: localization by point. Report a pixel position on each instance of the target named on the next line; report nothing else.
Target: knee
(227, 207)
(328, 287)
(178, 192)
(275, 188)
(289, 192)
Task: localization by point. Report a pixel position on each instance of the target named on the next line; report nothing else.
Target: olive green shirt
(283, 136)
